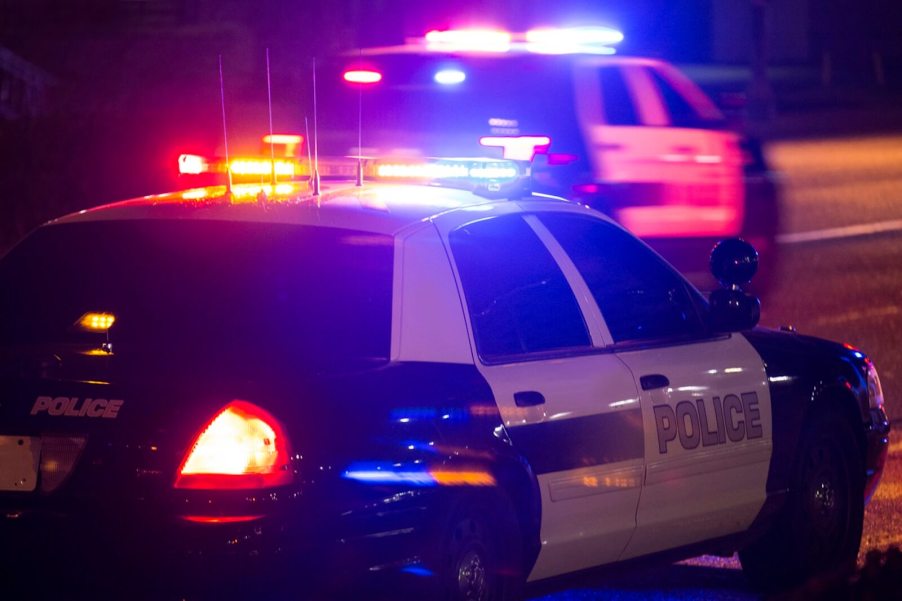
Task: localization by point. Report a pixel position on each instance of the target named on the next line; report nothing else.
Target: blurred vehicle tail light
(242, 447)
(365, 76)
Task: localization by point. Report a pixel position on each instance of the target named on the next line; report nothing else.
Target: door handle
(654, 381)
(529, 398)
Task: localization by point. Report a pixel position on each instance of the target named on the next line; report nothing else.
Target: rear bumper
(299, 547)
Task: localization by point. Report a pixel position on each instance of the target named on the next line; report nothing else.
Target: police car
(460, 386)
(631, 136)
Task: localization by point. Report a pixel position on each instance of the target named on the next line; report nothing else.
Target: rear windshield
(408, 110)
(233, 289)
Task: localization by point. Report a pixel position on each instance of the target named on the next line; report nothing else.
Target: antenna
(360, 133)
(225, 134)
(272, 143)
(315, 139)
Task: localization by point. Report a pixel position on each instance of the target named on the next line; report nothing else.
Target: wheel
(819, 529)
(479, 552)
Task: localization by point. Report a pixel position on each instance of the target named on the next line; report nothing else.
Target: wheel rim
(825, 501)
(470, 562)
(471, 576)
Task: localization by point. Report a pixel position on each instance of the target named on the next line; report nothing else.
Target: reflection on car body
(462, 392)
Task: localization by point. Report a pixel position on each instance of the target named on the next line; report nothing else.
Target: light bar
(445, 169)
(558, 40)
(263, 167)
(282, 139)
(518, 148)
(573, 40)
(469, 40)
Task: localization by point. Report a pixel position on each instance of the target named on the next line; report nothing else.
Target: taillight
(364, 76)
(242, 447)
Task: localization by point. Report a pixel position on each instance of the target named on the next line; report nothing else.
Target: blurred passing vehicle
(632, 137)
(433, 376)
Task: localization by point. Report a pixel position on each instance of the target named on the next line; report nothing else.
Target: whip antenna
(315, 139)
(272, 143)
(360, 133)
(225, 134)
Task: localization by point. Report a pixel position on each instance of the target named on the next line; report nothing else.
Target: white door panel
(708, 440)
(580, 528)
(585, 443)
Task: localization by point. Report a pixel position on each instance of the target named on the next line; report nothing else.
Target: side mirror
(733, 263)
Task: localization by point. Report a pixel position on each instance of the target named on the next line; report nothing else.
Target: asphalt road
(839, 276)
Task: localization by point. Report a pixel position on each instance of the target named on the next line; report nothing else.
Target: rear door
(571, 411)
(657, 146)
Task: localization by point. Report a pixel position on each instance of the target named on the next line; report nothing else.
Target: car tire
(819, 529)
(479, 552)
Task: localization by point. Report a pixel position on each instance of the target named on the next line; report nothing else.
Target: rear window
(231, 289)
(409, 111)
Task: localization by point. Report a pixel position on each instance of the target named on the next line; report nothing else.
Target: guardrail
(23, 87)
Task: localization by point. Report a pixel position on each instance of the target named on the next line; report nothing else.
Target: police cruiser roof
(384, 208)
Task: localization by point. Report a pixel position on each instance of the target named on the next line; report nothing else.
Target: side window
(616, 101)
(518, 298)
(640, 296)
(682, 113)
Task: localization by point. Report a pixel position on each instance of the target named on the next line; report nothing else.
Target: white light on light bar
(574, 40)
(192, 164)
(422, 170)
(262, 167)
(439, 171)
(469, 40)
(450, 77)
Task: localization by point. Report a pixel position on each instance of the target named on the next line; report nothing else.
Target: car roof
(384, 208)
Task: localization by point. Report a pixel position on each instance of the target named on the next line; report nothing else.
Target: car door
(658, 149)
(572, 412)
(704, 396)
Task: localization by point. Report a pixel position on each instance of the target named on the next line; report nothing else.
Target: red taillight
(242, 447)
(364, 76)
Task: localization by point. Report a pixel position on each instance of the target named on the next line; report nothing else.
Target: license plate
(19, 460)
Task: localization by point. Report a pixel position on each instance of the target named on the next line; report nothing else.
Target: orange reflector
(453, 478)
(96, 322)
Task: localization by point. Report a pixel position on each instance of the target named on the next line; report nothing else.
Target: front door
(704, 397)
